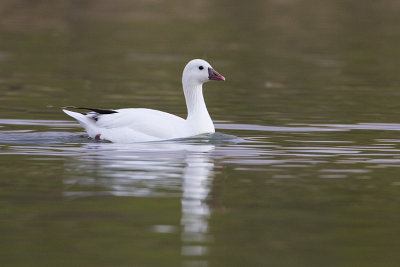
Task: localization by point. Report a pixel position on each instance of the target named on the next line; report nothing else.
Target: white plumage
(141, 125)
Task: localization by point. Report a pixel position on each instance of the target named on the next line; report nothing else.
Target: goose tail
(85, 121)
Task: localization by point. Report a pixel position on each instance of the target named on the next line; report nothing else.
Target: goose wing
(146, 121)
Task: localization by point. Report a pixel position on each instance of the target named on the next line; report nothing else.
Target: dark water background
(303, 169)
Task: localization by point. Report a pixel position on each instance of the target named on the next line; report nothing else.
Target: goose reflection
(151, 170)
(197, 177)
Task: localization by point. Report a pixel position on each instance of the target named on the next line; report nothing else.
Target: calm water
(304, 169)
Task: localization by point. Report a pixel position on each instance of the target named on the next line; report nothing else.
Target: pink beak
(214, 75)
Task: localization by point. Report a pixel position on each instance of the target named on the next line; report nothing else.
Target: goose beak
(214, 75)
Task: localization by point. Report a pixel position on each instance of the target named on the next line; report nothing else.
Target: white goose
(141, 125)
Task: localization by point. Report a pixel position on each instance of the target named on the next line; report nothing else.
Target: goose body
(141, 124)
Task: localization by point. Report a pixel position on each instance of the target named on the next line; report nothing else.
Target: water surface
(303, 169)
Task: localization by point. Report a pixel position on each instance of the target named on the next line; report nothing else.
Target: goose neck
(195, 101)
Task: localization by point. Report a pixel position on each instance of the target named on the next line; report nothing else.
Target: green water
(303, 169)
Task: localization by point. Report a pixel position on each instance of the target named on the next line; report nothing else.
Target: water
(303, 169)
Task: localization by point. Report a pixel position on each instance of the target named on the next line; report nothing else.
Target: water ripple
(166, 169)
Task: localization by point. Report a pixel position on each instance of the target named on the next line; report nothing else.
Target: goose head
(199, 71)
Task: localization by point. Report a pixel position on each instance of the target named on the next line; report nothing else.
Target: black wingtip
(97, 110)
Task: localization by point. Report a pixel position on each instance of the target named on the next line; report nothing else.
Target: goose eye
(201, 68)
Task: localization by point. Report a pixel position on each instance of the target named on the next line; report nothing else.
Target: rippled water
(202, 193)
(303, 169)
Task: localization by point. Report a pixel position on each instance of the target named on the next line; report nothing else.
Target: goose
(130, 125)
